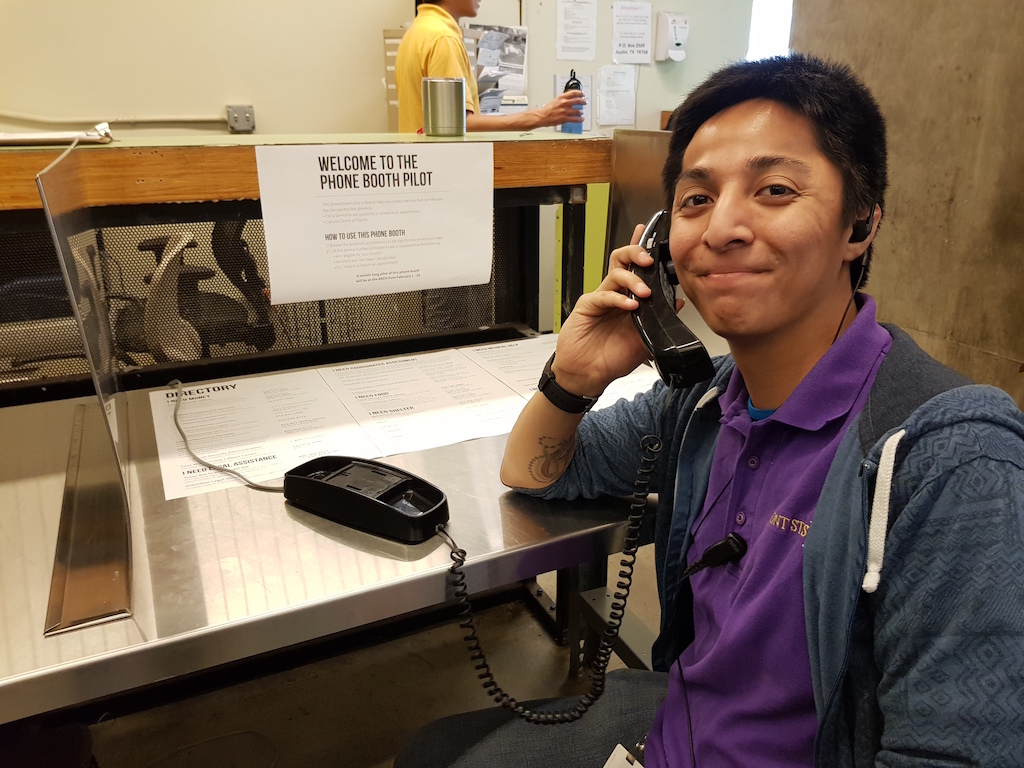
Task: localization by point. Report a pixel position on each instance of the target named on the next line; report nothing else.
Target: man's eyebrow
(761, 163)
(697, 173)
(767, 162)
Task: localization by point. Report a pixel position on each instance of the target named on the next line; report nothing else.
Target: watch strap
(560, 398)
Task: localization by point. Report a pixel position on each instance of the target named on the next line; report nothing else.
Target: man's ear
(862, 232)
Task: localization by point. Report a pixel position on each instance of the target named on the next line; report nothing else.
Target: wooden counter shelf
(131, 174)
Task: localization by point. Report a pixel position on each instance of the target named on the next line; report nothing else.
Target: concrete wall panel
(949, 259)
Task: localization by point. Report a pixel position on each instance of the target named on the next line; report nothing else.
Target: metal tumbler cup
(444, 106)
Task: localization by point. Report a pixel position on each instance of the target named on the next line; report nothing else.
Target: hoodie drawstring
(879, 523)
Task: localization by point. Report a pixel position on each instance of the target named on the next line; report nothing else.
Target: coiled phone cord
(650, 447)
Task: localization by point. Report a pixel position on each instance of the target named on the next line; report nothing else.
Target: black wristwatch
(562, 400)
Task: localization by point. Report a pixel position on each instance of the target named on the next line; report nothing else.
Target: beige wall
(306, 66)
(949, 263)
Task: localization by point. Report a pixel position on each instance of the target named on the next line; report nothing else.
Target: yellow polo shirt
(432, 47)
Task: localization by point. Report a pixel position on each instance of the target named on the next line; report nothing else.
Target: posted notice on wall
(576, 30)
(366, 219)
(616, 95)
(631, 32)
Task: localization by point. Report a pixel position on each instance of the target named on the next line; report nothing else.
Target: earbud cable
(853, 295)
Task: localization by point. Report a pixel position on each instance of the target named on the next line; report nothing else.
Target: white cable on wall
(24, 118)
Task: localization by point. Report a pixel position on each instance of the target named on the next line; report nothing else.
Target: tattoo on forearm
(556, 456)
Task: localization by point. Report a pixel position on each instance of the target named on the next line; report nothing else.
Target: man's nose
(728, 224)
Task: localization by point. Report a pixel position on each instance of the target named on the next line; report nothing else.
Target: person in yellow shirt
(433, 47)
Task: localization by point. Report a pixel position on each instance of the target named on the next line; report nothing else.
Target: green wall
(594, 245)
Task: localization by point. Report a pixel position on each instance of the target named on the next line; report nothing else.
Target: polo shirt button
(752, 462)
(740, 518)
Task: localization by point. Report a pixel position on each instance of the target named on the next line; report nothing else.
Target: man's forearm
(564, 108)
(520, 121)
(540, 446)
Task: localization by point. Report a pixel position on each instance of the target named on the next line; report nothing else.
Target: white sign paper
(616, 95)
(488, 48)
(490, 101)
(631, 33)
(502, 53)
(368, 219)
(576, 30)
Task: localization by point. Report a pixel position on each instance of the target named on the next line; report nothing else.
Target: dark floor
(358, 708)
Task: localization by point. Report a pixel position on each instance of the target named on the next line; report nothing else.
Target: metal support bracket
(91, 581)
(633, 645)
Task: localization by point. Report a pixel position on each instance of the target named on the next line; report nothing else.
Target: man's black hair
(846, 119)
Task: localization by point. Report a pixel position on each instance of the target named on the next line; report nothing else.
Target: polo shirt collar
(439, 13)
(831, 388)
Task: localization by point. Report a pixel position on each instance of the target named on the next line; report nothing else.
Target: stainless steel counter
(230, 574)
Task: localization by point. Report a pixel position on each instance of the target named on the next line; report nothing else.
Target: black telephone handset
(368, 495)
(679, 356)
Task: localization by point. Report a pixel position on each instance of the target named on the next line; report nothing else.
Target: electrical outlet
(241, 118)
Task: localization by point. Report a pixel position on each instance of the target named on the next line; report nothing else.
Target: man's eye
(776, 190)
(694, 200)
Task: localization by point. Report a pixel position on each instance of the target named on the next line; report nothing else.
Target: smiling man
(880, 495)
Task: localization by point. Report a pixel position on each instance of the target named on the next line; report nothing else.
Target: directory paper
(424, 401)
(519, 363)
(263, 426)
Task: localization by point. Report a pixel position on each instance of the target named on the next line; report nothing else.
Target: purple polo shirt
(746, 678)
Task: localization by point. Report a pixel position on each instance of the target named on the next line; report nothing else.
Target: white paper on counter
(261, 427)
(628, 387)
(424, 401)
(367, 219)
(518, 364)
(265, 426)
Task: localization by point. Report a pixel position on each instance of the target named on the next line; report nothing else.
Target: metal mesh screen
(221, 291)
(38, 334)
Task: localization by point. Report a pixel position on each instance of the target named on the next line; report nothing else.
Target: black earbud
(861, 229)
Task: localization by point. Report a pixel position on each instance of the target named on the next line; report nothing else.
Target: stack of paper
(263, 426)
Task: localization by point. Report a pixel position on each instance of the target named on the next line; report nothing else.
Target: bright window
(770, 23)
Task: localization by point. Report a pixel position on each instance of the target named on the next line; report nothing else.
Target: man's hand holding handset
(597, 344)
